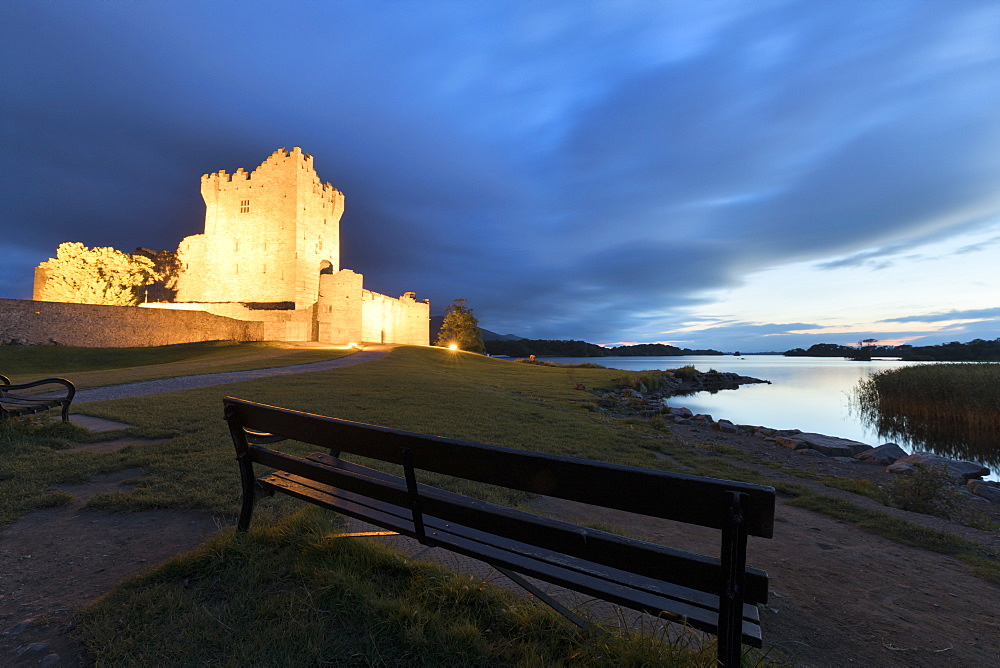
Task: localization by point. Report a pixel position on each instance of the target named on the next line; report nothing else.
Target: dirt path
(55, 562)
(370, 353)
(841, 596)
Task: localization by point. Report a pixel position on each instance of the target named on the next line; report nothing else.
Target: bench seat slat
(515, 556)
(25, 402)
(662, 563)
(627, 554)
(687, 498)
(652, 584)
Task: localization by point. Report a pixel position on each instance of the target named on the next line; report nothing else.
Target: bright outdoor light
(453, 346)
(352, 345)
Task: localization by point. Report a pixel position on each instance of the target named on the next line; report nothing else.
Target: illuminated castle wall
(268, 234)
(270, 256)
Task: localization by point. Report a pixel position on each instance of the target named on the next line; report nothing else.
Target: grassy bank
(196, 605)
(394, 612)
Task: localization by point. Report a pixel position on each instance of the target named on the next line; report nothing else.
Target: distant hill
(518, 346)
(559, 348)
(493, 336)
(438, 320)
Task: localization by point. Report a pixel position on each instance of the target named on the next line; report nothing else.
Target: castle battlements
(281, 165)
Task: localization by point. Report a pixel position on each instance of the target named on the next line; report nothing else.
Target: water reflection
(807, 393)
(948, 437)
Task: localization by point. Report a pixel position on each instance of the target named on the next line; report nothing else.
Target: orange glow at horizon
(898, 341)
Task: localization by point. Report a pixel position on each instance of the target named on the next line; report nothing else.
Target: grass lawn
(96, 367)
(286, 595)
(409, 609)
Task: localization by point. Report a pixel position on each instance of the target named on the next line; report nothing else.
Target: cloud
(973, 314)
(577, 171)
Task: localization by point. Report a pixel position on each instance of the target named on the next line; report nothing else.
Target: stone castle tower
(268, 235)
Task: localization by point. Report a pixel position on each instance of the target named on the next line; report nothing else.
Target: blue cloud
(582, 170)
(973, 314)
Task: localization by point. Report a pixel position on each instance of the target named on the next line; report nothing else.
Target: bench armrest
(6, 388)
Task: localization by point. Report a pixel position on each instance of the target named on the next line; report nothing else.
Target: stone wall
(345, 313)
(91, 325)
(388, 320)
(338, 311)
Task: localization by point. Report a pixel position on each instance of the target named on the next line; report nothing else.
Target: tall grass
(951, 408)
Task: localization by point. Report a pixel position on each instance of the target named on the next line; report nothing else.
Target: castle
(270, 255)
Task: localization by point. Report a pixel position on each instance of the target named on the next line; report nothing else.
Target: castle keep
(268, 234)
(270, 258)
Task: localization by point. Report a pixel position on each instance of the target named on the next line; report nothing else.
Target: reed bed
(953, 409)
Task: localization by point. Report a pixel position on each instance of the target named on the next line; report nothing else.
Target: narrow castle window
(237, 245)
(265, 269)
(244, 206)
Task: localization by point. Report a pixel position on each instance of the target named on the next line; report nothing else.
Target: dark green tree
(461, 328)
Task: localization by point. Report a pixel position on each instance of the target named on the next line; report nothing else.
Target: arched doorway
(326, 267)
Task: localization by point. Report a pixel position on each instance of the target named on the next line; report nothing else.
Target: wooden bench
(716, 594)
(13, 404)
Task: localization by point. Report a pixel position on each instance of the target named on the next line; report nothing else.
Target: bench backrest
(674, 496)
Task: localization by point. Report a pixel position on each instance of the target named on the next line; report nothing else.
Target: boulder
(726, 426)
(792, 443)
(883, 455)
(831, 446)
(961, 471)
(682, 412)
(986, 490)
(809, 452)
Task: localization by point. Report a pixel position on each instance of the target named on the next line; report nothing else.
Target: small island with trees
(977, 350)
(550, 348)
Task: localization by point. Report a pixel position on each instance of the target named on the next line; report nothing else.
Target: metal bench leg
(546, 599)
(734, 552)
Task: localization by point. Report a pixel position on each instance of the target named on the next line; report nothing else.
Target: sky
(733, 175)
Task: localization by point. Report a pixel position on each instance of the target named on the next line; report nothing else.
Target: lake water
(807, 393)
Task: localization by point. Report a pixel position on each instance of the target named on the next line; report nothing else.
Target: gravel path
(206, 379)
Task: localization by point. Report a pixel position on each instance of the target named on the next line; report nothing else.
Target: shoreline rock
(961, 471)
(627, 402)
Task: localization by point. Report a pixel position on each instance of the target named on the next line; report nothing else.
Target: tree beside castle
(461, 328)
(100, 275)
